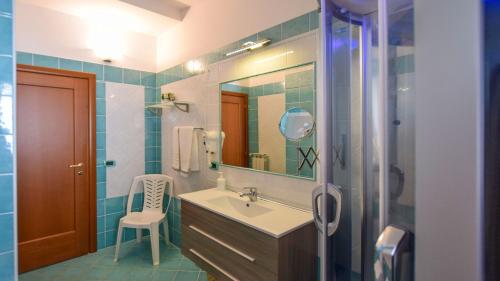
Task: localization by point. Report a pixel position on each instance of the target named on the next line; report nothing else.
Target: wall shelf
(158, 108)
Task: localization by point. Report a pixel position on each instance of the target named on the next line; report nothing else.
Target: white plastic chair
(151, 215)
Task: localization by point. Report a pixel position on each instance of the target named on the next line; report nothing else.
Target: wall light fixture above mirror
(252, 111)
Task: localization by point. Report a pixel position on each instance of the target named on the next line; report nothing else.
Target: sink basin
(245, 208)
(263, 215)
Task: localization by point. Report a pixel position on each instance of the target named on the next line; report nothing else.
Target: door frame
(91, 78)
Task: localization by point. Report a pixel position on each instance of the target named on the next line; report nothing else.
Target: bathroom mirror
(266, 119)
(296, 123)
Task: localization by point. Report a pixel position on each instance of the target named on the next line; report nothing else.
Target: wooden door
(55, 201)
(234, 119)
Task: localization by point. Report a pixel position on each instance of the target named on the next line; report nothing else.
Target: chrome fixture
(168, 100)
(251, 193)
(249, 46)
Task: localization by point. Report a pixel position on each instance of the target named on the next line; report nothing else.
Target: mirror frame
(315, 142)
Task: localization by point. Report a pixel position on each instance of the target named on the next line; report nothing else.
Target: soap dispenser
(221, 181)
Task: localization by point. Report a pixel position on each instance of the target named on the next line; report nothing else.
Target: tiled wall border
(8, 241)
(277, 33)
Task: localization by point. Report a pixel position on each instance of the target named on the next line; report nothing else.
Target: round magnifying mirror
(296, 124)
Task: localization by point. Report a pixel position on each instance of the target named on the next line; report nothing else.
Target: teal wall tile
(100, 207)
(110, 237)
(100, 224)
(273, 33)
(6, 77)
(292, 81)
(306, 77)
(5, 113)
(292, 95)
(6, 153)
(24, 58)
(251, 38)
(112, 220)
(6, 193)
(7, 271)
(114, 205)
(101, 190)
(131, 76)
(268, 89)
(6, 35)
(68, 64)
(150, 95)
(101, 241)
(100, 90)
(101, 173)
(45, 61)
(100, 156)
(306, 94)
(100, 107)
(101, 140)
(148, 79)
(113, 74)
(97, 69)
(6, 7)
(101, 124)
(7, 234)
(296, 26)
(313, 20)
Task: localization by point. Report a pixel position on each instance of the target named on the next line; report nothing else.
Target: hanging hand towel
(176, 153)
(188, 147)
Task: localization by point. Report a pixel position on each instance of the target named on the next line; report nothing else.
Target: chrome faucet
(251, 193)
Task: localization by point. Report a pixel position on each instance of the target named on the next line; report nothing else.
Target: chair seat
(142, 218)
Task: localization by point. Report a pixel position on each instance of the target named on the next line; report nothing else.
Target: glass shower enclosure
(369, 103)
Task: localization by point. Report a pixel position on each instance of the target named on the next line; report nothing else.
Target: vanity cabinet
(229, 250)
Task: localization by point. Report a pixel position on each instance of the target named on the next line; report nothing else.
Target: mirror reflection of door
(234, 116)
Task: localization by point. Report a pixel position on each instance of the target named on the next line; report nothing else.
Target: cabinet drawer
(245, 240)
(228, 261)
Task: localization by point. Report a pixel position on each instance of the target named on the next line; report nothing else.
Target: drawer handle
(213, 265)
(249, 258)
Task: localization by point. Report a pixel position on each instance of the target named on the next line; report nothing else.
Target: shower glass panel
(389, 126)
(371, 77)
(347, 141)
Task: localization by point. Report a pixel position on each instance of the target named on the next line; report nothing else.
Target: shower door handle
(333, 191)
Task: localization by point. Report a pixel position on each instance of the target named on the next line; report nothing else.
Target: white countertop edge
(275, 235)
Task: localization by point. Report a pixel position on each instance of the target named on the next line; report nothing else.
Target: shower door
(369, 104)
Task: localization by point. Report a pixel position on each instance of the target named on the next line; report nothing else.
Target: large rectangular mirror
(268, 122)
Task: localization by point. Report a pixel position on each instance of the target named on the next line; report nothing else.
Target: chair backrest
(154, 190)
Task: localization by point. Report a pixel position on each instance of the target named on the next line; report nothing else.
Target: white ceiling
(154, 17)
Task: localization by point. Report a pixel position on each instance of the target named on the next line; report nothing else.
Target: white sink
(247, 209)
(266, 216)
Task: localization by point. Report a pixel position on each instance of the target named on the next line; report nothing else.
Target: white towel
(188, 147)
(176, 153)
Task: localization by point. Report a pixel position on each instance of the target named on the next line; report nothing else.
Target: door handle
(76, 165)
(392, 255)
(317, 192)
(334, 191)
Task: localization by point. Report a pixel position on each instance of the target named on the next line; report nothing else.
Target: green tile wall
(7, 146)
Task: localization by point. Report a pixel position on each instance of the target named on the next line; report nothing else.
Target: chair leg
(118, 241)
(155, 243)
(165, 232)
(138, 235)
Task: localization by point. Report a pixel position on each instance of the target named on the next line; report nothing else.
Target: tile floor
(134, 264)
